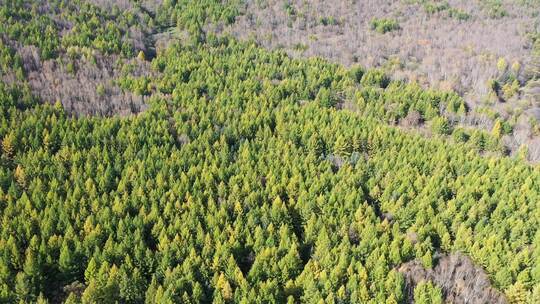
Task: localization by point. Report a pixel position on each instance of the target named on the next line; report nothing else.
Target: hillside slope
(484, 50)
(246, 176)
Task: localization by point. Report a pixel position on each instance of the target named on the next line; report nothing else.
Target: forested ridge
(252, 177)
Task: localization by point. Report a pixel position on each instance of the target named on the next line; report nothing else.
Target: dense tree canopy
(246, 182)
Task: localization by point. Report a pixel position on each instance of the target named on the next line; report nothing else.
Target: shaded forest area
(247, 176)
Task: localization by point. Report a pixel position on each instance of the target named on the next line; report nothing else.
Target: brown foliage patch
(460, 280)
(84, 86)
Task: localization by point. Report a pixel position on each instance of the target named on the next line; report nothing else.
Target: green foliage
(384, 25)
(191, 16)
(10, 62)
(494, 8)
(494, 85)
(100, 90)
(510, 90)
(27, 26)
(460, 135)
(427, 293)
(436, 7)
(89, 26)
(17, 96)
(376, 78)
(224, 189)
(356, 73)
(104, 31)
(328, 21)
(399, 99)
(441, 126)
(497, 130)
(325, 98)
(342, 147)
(502, 65)
(289, 9)
(139, 85)
(432, 7)
(458, 14)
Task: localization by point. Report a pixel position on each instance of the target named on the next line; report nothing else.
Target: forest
(204, 168)
(485, 50)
